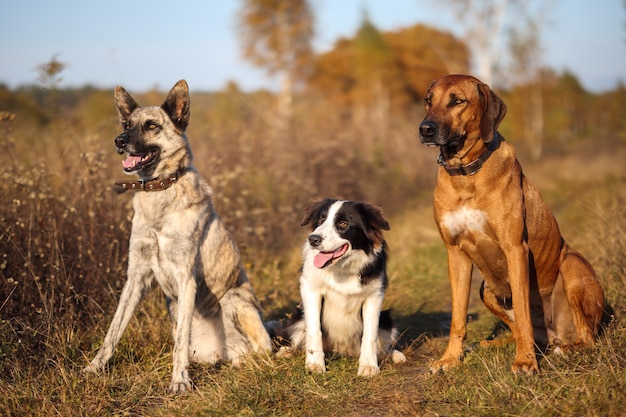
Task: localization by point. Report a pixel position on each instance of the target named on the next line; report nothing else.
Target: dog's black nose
(428, 129)
(315, 240)
(121, 141)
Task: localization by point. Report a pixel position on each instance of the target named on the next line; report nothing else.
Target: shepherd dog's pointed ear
(124, 103)
(177, 105)
(494, 111)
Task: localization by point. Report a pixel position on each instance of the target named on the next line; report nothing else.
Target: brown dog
(488, 214)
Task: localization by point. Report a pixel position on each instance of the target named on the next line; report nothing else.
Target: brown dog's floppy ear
(494, 111)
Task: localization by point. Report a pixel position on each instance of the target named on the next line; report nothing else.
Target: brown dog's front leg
(525, 360)
(460, 274)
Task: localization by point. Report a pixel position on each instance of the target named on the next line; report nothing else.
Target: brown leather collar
(474, 166)
(155, 184)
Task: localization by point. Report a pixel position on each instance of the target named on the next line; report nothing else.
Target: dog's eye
(459, 101)
(427, 101)
(126, 125)
(151, 126)
(343, 225)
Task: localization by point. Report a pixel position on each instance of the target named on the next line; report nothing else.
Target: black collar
(474, 166)
(154, 184)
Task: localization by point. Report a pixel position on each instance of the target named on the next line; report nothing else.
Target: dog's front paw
(180, 383)
(525, 367)
(89, 369)
(368, 371)
(93, 368)
(178, 387)
(316, 367)
(315, 361)
(444, 364)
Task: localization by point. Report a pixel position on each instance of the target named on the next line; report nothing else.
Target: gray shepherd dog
(178, 238)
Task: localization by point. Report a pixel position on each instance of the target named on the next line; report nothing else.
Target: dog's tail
(282, 330)
(608, 317)
(279, 333)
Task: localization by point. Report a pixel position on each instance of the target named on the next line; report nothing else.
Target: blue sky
(153, 43)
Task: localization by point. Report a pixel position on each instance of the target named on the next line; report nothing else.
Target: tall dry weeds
(63, 254)
(64, 233)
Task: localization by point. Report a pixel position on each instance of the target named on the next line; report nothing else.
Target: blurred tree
(525, 48)
(277, 35)
(24, 106)
(487, 27)
(424, 54)
(612, 113)
(572, 97)
(376, 77)
(407, 61)
(481, 23)
(49, 73)
(49, 78)
(570, 113)
(333, 74)
(504, 37)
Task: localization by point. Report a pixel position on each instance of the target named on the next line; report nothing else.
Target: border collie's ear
(494, 111)
(313, 211)
(376, 223)
(374, 217)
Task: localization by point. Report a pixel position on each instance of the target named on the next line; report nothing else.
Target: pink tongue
(324, 258)
(131, 161)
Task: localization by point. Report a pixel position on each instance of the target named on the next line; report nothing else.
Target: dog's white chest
(464, 220)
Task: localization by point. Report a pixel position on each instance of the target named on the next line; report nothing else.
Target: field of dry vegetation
(63, 253)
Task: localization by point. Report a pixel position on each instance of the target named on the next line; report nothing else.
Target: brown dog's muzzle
(428, 131)
(439, 134)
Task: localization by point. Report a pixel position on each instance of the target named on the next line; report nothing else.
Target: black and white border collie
(343, 283)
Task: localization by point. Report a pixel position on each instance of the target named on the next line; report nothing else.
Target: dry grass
(63, 243)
